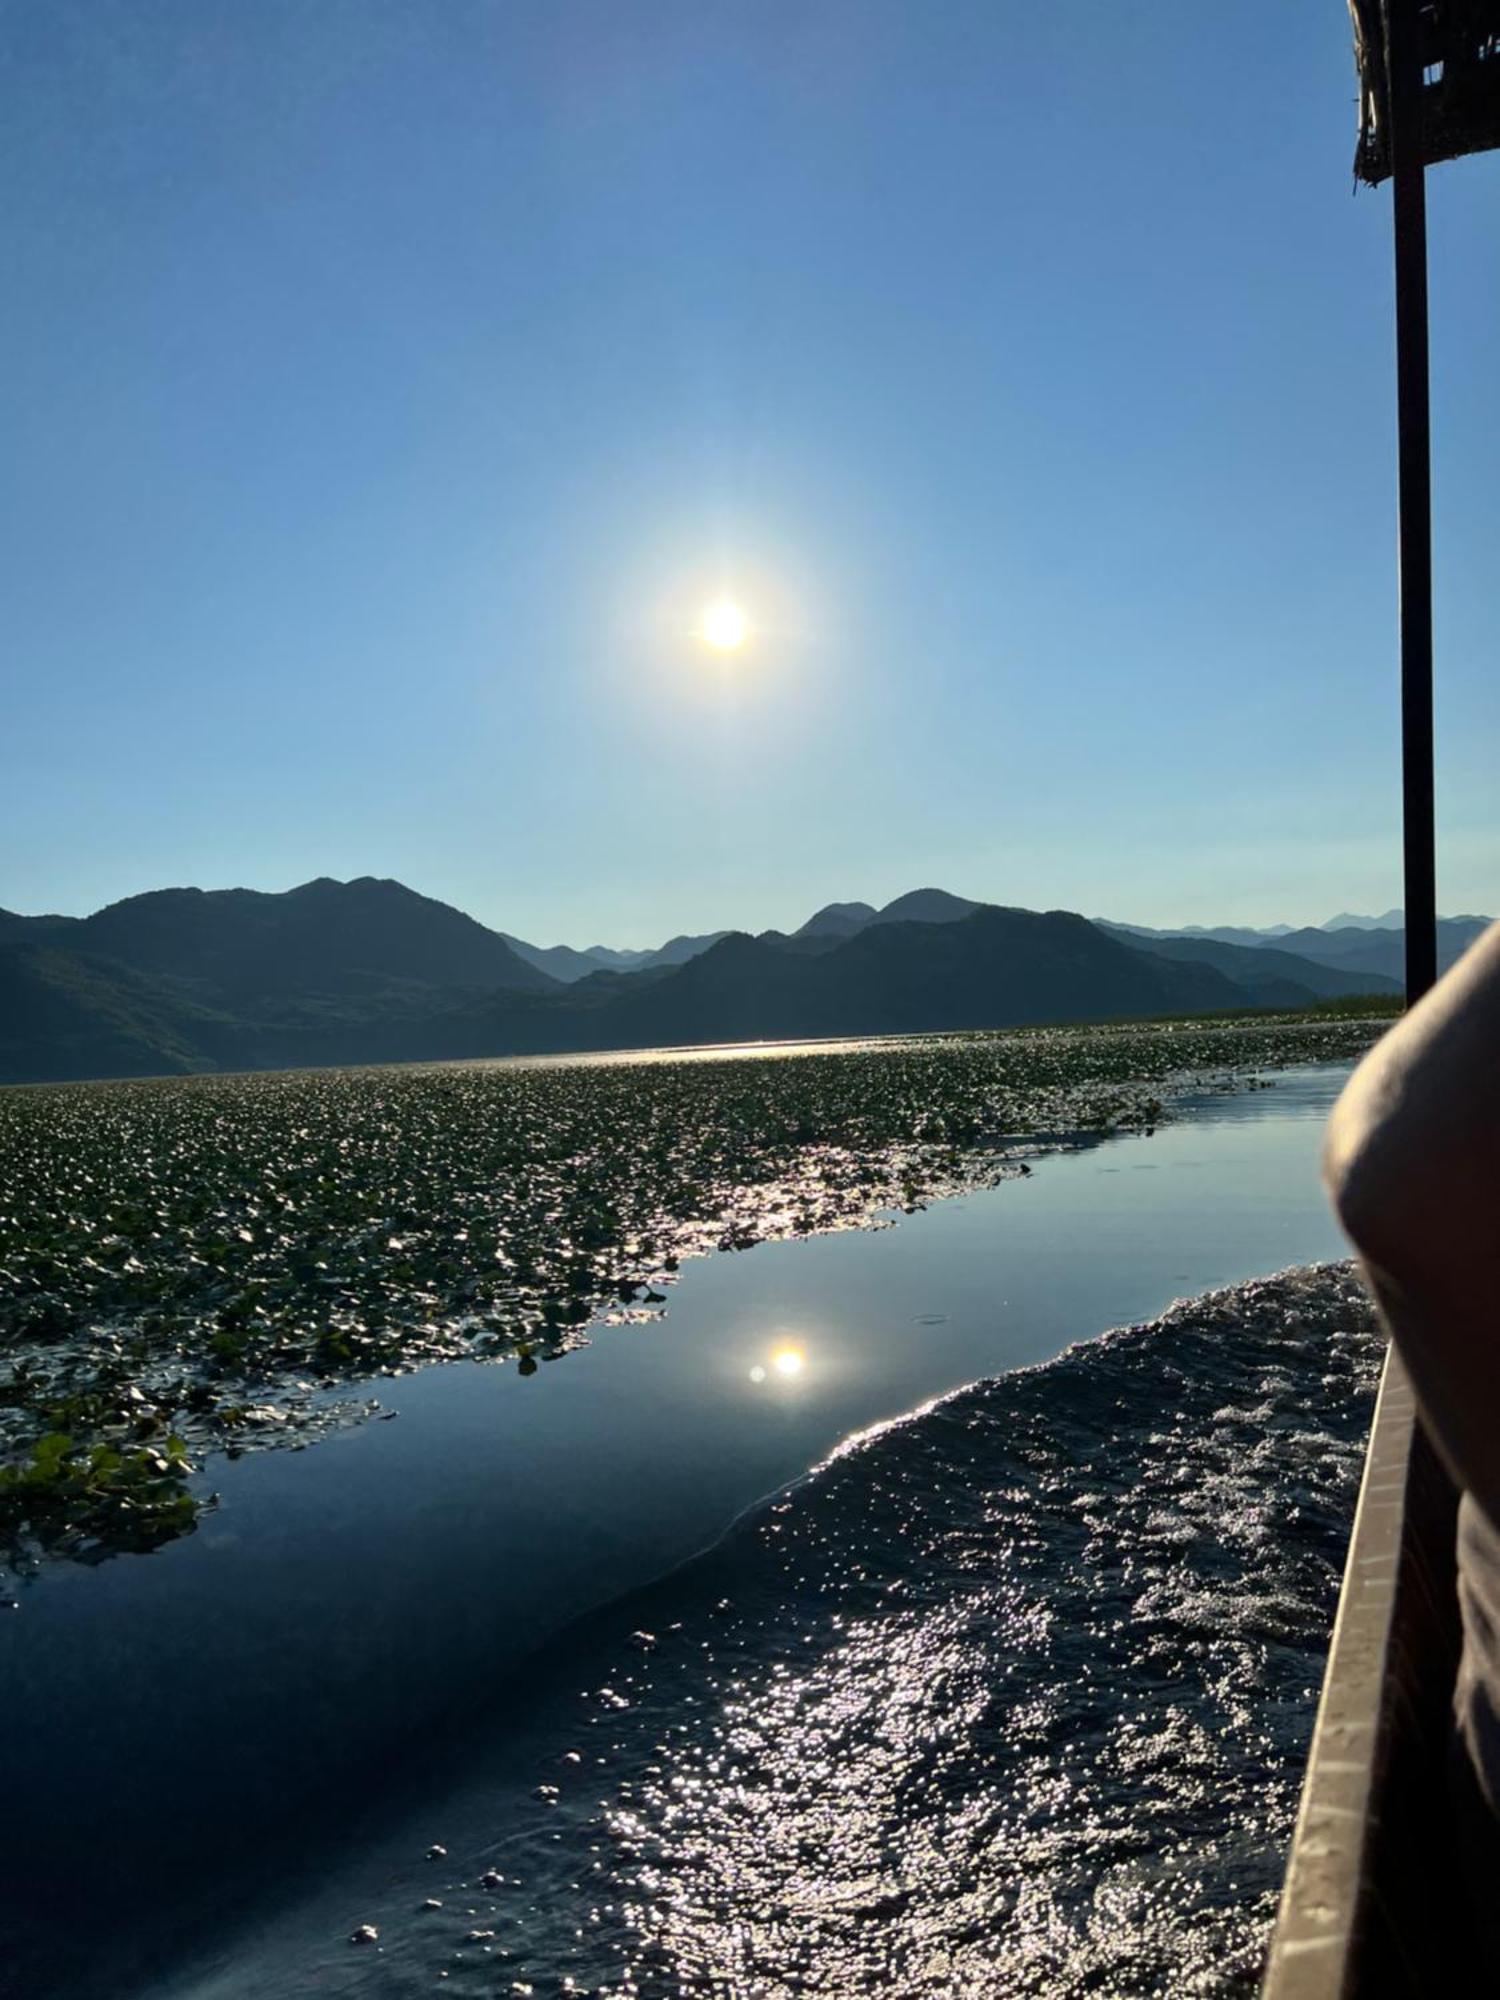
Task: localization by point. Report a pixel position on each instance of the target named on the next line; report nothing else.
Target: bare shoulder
(1412, 1156)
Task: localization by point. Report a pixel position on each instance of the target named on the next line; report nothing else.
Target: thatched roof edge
(1460, 97)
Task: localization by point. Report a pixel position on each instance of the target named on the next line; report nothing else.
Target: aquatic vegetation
(197, 1263)
(89, 1501)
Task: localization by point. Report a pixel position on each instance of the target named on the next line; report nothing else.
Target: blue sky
(385, 387)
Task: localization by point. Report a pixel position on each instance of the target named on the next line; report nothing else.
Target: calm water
(253, 1736)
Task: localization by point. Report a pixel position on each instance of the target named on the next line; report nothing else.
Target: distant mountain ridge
(833, 921)
(995, 967)
(1393, 920)
(1369, 948)
(1264, 972)
(562, 962)
(183, 980)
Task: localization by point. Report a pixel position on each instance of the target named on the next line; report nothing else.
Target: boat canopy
(1459, 42)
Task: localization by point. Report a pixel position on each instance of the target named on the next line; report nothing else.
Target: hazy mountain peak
(1393, 920)
(928, 906)
(562, 961)
(679, 950)
(837, 920)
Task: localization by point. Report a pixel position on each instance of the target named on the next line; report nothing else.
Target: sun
(724, 626)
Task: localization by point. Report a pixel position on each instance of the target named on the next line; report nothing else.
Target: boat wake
(1009, 1697)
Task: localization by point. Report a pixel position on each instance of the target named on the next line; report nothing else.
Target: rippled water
(1009, 1697)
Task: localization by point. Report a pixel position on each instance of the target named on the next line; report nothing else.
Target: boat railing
(1373, 1902)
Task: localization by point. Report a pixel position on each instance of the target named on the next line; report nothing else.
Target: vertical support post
(1404, 75)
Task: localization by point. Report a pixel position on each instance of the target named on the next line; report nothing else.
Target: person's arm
(1413, 1165)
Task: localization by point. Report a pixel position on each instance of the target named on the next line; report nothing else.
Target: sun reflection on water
(998, 1704)
(786, 1361)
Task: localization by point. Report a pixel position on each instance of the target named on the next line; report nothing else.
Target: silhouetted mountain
(678, 950)
(562, 962)
(837, 920)
(557, 961)
(929, 906)
(326, 936)
(1266, 974)
(1272, 934)
(1393, 920)
(369, 971)
(62, 1015)
(1236, 933)
(995, 968)
(1382, 951)
(1368, 948)
(608, 960)
(205, 979)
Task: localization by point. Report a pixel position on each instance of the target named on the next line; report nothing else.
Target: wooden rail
(1372, 1903)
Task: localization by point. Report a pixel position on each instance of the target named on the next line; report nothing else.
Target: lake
(239, 1748)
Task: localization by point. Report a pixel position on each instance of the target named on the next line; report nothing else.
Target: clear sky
(385, 385)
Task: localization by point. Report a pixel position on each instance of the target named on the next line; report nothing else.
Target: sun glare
(724, 627)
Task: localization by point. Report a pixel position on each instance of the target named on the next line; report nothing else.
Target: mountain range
(1362, 945)
(184, 980)
(563, 963)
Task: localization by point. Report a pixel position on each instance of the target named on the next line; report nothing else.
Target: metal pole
(1404, 73)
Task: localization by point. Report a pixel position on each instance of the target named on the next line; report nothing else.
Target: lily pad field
(211, 1263)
